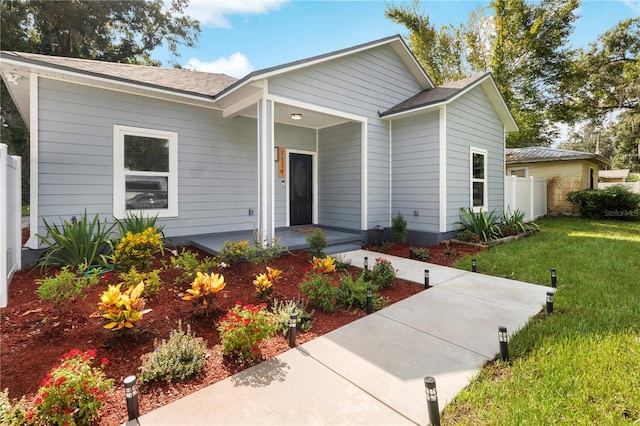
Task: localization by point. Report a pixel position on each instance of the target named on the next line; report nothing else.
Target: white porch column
(266, 170)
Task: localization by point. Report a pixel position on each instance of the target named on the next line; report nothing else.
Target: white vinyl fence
(10, 218)
(631, 186)
(528, 194)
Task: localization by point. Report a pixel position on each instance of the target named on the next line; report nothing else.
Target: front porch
(292, 238)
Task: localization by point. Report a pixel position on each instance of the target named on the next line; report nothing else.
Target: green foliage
(138, 224)
(513, 223)
(76, 242)
(283, 309)
(64, 287)
(399, 228)
(422, 253)
(614, 202)
(12, 413)
(353, 293)
(72, 392)
(483, 225)
(188, 264)
(137, 250)
(121, 310)
(265, 250)
(178, 358)
(236, 251)
(319, 290)
(152, 281)
(243, 328)
(341, 263)
(382, 273)
(317, 243)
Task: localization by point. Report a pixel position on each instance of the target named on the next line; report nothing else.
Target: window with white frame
(478, 174)
(145, 172)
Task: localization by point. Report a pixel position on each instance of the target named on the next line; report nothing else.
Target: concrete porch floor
(337, 241)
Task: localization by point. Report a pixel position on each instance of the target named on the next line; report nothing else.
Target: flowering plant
(122, 309)
(264, 282)
(72, 392)
(243, 328)
(324, 265)
(137, 250)
(204, 289)
(321, 290)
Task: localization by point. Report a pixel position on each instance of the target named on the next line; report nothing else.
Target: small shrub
(72, 392)
(399, 228)
(204, 289)
(353, 293)
(282, 311)
(469, 237)
(320, 290)
(178, 358)
(513, 223)
(317, 243)
(614, 202)
(76, 242)
(122, 310)
(448, 250)
(235, 251)
(243, 328)
(265, 250)
(137, 250)
(12, 414)
(422, 253)
(484, 225)
(264, 282)
(341, 263)
(138, 224)
(382, 273)
(64, 287)
(325, 265)
(188, 264)
(152, 281)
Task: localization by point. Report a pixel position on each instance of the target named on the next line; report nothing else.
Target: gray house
(345, 140)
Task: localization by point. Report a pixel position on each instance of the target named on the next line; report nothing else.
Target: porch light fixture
(503, 338)
(432, 400)
(296, 116)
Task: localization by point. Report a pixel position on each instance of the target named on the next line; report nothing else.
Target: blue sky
(240, 36)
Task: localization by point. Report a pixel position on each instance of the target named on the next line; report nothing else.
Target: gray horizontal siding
(217, 158)
(339, 186)
(472, 121)
(415, 171)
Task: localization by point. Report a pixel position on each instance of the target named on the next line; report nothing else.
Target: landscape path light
(131, 394)
(554, 278)
(503, 338)
(369, 300)
(426, 279)
(549, 302)
(473, 265)
(293, 322)
(432, 400)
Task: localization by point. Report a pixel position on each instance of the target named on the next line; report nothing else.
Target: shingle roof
(433, 96)
(614, 174)
(538, 153)
(181, 80)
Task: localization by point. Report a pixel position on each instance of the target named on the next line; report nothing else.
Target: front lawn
(581, 364)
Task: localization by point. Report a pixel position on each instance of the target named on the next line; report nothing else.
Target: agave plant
(485, 225)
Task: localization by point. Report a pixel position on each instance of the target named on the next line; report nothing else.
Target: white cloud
(236, 65)
(214, 13)
(634, 5)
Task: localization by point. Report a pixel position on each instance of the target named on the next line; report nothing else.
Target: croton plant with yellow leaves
(204, 289)
(122, 309)
(323, 265)
(265, 281)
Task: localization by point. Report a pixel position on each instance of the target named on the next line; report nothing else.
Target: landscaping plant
(72, 392)
(188, 264)
(485, 226)
(382, 273)
(422, 253)
(319, 288)
(283, 309)
(178, 358)
(341, 262)
(152, 281)
(138, 224)
(264, 282)
(399, 228)
(243, 328)
(235, 251)
(614, 202)
(64, 287)
(204, 289)
(76, 242)
(12, 413)
(324, 265)
(137, 250)
(317, 243)
(353, 293)
(265, 249)
(513, 223)
(122, 310)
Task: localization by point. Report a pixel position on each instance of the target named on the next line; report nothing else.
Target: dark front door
(300, 189)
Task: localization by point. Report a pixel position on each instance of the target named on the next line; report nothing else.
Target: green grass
(581, 364)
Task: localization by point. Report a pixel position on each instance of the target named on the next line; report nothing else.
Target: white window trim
(119, 202)
(484, 207)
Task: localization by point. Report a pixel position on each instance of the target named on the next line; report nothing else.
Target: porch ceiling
(310, 118)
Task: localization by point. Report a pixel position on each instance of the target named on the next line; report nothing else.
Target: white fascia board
(316, 108)
(233, 110)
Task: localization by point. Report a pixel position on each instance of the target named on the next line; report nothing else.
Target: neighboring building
(564, 170)
(611, 176)
(345, 140)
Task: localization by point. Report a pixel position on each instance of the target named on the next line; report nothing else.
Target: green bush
(353, 293)
(137, 250)
(422, 253)
(485, 226)
(64, 287)
(265, 249)
(317, 243)
(399, 228)
(614, 202)
(188, 264)
(243, 328)
(513, 223)
(342, 263)
(320, 291)
(236, 251)
(152, 281)
(137, 224)
(12, 414)
(283, 309)
(76, 242)
(178, 358)
(382, 273)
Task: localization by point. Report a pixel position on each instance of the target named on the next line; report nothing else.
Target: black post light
(293, 320)
(554, 278)
(369, 300)
(410, 252)
(366, 263)
(131, 394)
(426, 279)
(503, 338)
(432, 400)
(549, 302)
(473, 265)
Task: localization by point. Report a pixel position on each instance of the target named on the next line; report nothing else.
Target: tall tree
(523, 44)
(113, 31)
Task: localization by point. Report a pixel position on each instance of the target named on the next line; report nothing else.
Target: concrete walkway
(372, 371)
